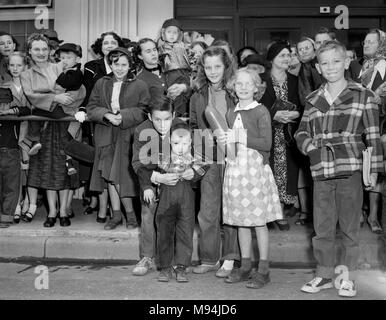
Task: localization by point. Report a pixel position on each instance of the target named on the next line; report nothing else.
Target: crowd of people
(257, 137)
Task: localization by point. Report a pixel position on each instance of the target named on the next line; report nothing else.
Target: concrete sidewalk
(87, 240)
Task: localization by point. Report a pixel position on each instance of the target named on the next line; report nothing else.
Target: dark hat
(121, 50)
(254, 59)
(276, 48)
(70, 47)
(51, 35)
(170, 23)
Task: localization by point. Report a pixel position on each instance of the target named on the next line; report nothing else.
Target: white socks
(228, 264)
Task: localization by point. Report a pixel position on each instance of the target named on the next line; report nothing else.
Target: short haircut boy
(162, 103)
(331, 45)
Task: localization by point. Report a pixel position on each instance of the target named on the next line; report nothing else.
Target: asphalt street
(34, 281)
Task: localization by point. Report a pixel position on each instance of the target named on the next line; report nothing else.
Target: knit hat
(276, 48)
(170, 23)
(70, 47)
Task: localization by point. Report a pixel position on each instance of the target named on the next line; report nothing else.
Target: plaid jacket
(337, 132)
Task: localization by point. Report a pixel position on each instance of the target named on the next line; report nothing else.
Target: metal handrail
(38, 118)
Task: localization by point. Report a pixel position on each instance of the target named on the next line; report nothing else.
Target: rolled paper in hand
(218, 124)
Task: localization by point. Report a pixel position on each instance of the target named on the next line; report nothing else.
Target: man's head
(332, 61)
(180, 139)
(322, 36)
(161, 114)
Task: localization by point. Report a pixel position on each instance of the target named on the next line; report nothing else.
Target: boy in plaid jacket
(336, 117)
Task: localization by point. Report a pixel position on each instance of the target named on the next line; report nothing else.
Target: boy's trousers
(337, 200)
(175, 224)
(9, 183)
(148, 235)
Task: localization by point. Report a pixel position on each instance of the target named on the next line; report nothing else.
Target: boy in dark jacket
(159, 167)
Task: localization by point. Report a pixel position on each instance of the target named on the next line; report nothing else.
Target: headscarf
(370, 62)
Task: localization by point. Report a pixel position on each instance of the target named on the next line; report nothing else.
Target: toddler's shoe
(35, 149)
(317, 284)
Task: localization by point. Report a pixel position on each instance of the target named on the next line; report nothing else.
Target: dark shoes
(101, 220)
(28, 217)
(50, 222)
(165, 275)
(283, 225)
(238, 275)
(113, 223)
(181, 274)
(70, 213)
(131, 220)
(258, 280)
(65, 221)
(90, 210)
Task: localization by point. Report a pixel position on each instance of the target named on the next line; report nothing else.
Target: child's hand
(148, 196)
(188, 174)
(373, 181)
(80, 116)
(175, 90)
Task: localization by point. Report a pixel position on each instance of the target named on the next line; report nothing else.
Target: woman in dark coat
(117, 105)
(93, 71)
(282, 87)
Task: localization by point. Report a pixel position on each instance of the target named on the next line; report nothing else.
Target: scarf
(370, 62)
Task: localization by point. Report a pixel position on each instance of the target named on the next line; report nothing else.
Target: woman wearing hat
(117, 105)
(282, 100)
(93, 71)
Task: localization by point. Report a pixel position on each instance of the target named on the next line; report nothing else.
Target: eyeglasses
(369, 42)
(304, 48)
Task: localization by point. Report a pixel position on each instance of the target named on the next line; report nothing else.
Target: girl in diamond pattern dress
(250, 196)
